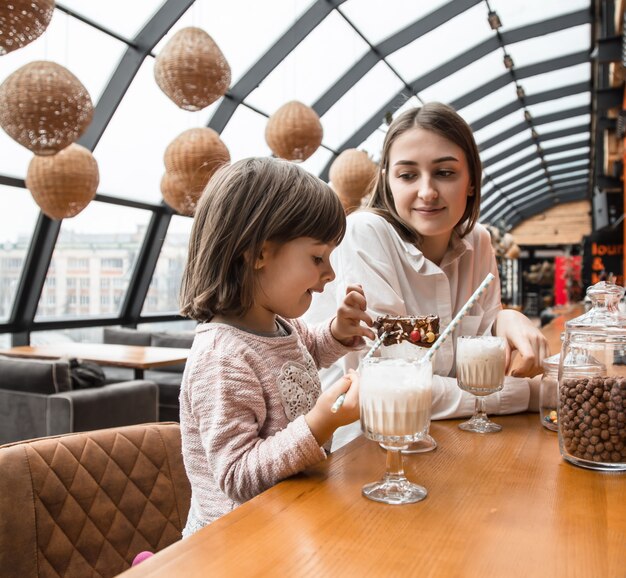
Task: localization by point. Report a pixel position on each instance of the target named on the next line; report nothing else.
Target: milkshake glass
(395, 398)
(480, 364)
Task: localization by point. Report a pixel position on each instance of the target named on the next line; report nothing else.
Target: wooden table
(553, 330)
(498, 505)
(132, 356)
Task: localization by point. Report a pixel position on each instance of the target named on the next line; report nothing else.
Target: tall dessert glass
(425, 442)
(480, 362)
(395, 397)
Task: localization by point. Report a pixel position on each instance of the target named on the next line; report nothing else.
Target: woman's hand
(322, 420)
(522, 336)
(347, 326)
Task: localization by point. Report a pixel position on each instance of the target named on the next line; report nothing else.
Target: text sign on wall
(603, 256)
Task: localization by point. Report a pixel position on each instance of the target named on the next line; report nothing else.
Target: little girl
(251, 408)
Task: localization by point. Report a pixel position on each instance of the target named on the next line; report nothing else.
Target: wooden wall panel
(564, 224)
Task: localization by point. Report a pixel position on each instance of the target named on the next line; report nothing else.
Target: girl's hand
(346, 327)
(522, 336)
(322, 421)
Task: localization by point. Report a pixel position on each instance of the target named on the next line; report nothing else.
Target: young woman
(417, 249)
(251, 409)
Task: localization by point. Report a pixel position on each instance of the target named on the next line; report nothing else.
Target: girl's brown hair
(245, 204)
(446, 122)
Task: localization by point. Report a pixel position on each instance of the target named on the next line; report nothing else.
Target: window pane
(313, 66)
(556, 44)
(130, 153)
(244, 135)
(433, 49)
(92, 262)
(516, 14)
(16, 229)
(125, 18)
(486, 154)
(164, 288)
(467, 79)
(378, 20)
(351, 111)
(510, 159)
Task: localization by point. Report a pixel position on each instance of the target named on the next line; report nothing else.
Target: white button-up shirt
(398, 280)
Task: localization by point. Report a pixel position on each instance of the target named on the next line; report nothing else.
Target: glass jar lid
(604, 321)
(551, 364)
(577, 363)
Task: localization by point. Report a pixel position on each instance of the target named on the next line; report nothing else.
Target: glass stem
(479, 409)
(395, 470)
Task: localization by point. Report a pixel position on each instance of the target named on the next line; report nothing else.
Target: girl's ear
(262, 258)
(470, 192)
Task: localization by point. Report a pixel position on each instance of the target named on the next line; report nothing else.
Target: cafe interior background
(143, 99)
(540, 82)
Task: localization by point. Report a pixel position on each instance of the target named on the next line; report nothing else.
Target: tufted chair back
(86, 504)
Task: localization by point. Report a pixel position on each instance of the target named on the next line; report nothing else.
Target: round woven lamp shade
(22, 21)
(294, 132)
(191, 69)
(352, 175)
(193, 156)
(64, 184)
(182, 200)
(44, 107)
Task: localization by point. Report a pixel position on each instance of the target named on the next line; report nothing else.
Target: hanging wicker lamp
(63, 184)
(352, 175)
(182, 200)
(193, 156)
(22, 21)
(191, 69)
(294, 132)
(44, 107)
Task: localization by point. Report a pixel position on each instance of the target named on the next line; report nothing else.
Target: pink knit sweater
(242, 404)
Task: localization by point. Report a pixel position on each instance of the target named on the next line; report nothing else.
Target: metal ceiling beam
(388, 46)
(537, 120)
(488, 212)
(270, 60)
(546, 96)
(575, 130)
(511, 193)
(574, 145)
(521, 146)
(455, 64)
(522, 72)
(536, 207)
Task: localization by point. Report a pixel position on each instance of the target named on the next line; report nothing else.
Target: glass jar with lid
(592, 384)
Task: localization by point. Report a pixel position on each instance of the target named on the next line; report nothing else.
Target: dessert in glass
(395, 399)
(410, 337)
(480, 364)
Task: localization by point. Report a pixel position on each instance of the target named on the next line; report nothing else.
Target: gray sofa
(37, 399)
(167, 378)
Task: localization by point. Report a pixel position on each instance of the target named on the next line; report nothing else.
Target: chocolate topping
(420, 330)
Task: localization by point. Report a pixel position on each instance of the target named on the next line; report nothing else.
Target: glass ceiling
(354, 61)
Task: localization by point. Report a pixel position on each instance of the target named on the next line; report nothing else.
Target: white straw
(462, 313)
(339, 401)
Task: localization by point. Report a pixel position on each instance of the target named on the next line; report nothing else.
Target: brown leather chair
(86, 504)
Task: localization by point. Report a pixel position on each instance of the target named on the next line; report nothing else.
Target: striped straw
(339, 401)
(462, 313)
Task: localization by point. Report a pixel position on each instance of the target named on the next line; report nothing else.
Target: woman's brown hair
(446, 122)
(245, 204)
